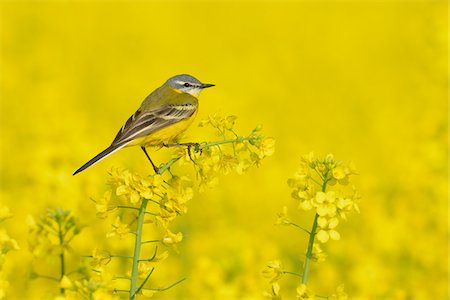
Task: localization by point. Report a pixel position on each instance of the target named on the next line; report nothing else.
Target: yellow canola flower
(66, 283)
(340, 294)
(283, 218)
(325, 203)
(104, 205)
(274, 293)
(148, 293)
(303, 293)
(273, 271)
(103, 294)
(267, 147)
(171, 238)
(339, 173)
(242, 166)
(119, 229)
(164, 218)
(4, 213)
(327, 229)
(318, 254)
(126, 190)
(178, 193)
(7, 243)
(99, 258)
(144, 269)
(135, 187)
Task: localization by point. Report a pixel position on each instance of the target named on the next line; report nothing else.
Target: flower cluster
(158, 201)
(320, 184)
(50, 237)
(127, 192)
(86, 288)
(6, 244)
(233, 152)
(310, 185)
(134, 200)
(51, 233)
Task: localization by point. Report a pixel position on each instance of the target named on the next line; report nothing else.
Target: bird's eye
(186, 84)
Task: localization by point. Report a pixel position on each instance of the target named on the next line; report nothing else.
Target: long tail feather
(108, 151)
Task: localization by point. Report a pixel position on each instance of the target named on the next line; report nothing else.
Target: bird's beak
(206, 85)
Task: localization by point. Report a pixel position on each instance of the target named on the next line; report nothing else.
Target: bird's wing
(143, 123)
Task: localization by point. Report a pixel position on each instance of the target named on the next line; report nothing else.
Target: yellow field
(366, 81)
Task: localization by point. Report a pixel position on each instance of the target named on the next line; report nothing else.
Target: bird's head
(185, 83)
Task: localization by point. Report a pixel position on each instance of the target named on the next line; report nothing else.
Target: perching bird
(161, 118)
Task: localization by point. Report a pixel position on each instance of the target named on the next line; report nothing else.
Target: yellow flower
(273, 271)
(339, 173)
(228, 122)
(4, 213)
(325, 203)
(104, 205)
(6, 243)
(274, 293)
(120, 229)
(66, 283)
(340, 294)
(178, 193)
(283, 219)
(267, 147)
(99, 258)
(103, 294)
(144, 269)
(161, 257)
(242, 166)
(327, 229)
(317, 254)
(171, 238)
(303, 293)
(128, 191)
(305, 205)
(148, 293)
(134, 187)
(310, 160)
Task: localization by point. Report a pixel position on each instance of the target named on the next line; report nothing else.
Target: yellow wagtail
(160, 119)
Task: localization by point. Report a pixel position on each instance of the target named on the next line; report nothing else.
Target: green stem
(61, 256)
(137, 250)
(292, 273)
(216, 143)
(134, 289)
(312, 235)
(167, 165)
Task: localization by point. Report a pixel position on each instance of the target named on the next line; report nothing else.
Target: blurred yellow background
(366, 81)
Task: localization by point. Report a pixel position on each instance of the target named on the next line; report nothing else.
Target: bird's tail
(108, 151)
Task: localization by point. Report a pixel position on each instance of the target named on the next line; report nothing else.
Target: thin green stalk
(167, 165)
(216, 143)
(134, 289)
(137, 250)
(292, 273)
(312, 235)
(61, 255)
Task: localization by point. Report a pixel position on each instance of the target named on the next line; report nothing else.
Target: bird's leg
(148, 156)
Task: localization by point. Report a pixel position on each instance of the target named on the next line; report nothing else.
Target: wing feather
(144, 123)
